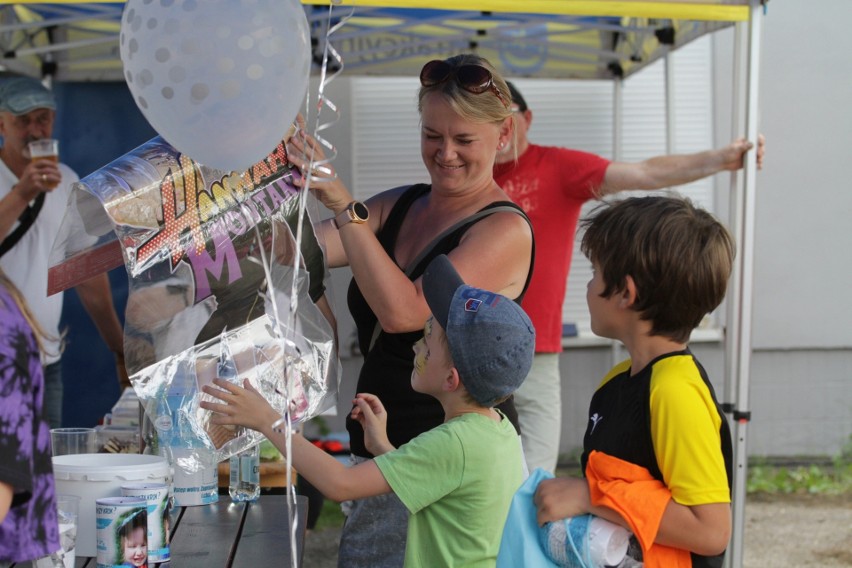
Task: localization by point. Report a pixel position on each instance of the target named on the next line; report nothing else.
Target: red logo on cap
(472, 305)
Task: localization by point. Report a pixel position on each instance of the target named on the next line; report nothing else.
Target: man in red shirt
(551, 184)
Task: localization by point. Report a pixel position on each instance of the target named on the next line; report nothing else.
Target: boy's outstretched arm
(247, 407)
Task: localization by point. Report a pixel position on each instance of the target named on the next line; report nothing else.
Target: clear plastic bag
(226, 276)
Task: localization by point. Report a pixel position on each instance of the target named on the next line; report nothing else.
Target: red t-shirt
(551, 184)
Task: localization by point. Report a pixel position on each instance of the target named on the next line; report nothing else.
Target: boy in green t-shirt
(458, 479)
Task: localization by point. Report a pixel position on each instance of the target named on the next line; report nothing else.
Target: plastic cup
(65, 441)
(67, 507)
(45, 149)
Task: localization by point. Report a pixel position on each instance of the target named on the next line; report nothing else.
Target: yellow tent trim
(701, 11)
(684, 10)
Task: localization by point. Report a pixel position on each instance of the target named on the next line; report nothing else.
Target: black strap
(470, 219)
(412, 266)
(25, 221)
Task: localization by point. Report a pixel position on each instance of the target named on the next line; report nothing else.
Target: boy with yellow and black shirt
(660, 265)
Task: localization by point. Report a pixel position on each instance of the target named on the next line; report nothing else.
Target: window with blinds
(573, 114)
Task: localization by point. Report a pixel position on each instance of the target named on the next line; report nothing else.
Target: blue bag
(521, 543)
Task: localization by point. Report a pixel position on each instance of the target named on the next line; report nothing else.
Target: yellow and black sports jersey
(666, 418)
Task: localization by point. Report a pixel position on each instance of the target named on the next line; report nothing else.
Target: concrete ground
(800, 531)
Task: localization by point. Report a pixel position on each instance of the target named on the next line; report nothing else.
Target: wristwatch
(355, 212)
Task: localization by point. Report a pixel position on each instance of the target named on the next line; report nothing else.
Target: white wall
(801, 371)
(804, 200)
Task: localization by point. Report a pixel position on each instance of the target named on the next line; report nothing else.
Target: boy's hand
(561, 498)
(370, 413)
(242, 406)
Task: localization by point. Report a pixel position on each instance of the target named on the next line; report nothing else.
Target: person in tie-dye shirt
(28, 524)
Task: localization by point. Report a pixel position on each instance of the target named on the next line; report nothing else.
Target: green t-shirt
(457, 481)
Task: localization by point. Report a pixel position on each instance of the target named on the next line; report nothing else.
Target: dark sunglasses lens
(474, 78)
(434, 72)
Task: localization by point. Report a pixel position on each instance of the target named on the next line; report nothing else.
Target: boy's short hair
(679, 256)
(490, 338)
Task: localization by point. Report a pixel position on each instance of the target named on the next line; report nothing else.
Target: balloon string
(318, 168)
(315, 166)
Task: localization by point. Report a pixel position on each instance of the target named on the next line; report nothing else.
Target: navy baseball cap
(20, 95)
(491, 339)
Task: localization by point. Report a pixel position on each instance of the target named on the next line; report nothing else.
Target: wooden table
(238, 535)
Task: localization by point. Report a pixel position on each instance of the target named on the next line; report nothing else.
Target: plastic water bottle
(178, 442)
(245, 476)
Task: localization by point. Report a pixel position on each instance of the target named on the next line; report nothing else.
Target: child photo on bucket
(133, 534)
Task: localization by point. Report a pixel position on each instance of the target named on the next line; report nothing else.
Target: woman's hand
(561, 498)
(370, 413)
(303, 151)
(240, 406)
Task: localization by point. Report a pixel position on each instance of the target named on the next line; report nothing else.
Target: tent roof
(578, 39)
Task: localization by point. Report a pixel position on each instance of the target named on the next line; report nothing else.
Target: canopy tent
(552, 38)
(570, 39)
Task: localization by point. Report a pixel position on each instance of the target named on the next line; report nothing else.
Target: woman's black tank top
(387, 367)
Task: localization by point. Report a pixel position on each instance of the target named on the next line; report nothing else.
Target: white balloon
(220, 81)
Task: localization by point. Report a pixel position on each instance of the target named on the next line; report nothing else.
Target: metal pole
(735, 224)
(617, 118)
(617, 152)
(742, 415)
(732, 327)
(670, 102)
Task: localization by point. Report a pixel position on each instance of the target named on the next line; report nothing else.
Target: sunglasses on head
(472, 78)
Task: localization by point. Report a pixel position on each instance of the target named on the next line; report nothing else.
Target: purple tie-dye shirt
(30, 528)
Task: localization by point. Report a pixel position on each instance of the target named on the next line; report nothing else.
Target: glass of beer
(45, 149)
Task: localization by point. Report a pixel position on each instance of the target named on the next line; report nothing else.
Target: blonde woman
(466, 118)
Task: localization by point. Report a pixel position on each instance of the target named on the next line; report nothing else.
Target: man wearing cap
(551, 184)
(33, 198)
(457, 480)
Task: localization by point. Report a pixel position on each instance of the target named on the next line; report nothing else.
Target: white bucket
(95, 476)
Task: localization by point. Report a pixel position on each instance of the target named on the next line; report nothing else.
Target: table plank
(265, 539)
(207, 534)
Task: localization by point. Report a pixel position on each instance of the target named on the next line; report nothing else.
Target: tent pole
(735, 225)
(50, 48)
(746, 262)
(56, 22)
(617, 151)
(670, 102)
(617, 117)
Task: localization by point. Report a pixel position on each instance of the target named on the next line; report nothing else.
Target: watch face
(360, 210)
